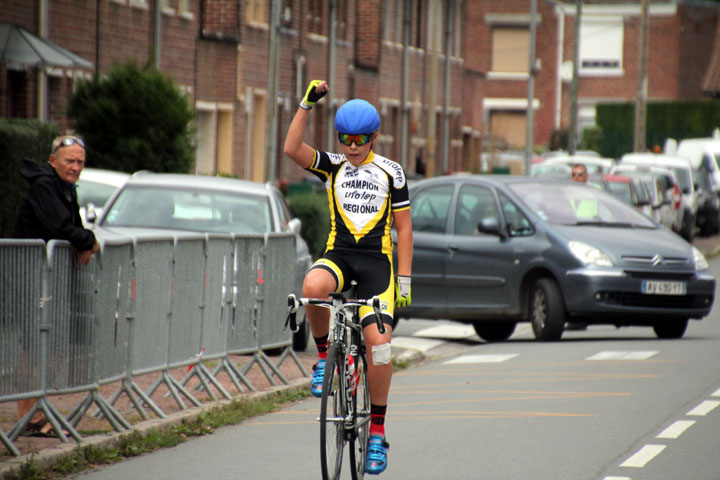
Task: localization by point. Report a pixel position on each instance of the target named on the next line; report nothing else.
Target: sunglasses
(359, 140)
(67, 141)
(578, 174)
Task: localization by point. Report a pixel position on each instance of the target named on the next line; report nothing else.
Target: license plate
(658, 287)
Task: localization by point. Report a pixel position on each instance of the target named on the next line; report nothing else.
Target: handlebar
(336, 301)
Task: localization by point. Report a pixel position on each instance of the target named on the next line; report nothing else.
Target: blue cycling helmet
(357, 117)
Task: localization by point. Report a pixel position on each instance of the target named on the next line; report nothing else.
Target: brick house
(608, 58)
(225, 55)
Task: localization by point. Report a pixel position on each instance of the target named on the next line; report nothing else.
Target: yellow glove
(312, 95)
(402, 291)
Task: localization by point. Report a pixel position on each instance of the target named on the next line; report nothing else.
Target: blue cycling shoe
(317, 378)
(376, 461)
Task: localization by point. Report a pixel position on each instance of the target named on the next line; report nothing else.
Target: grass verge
(134, 444)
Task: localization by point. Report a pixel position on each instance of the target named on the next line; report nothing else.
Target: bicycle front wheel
(361, 404)
(332, 415)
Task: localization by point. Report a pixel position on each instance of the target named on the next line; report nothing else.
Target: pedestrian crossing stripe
(629, 355)
(482, 358)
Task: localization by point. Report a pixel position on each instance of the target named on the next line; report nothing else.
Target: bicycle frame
(344, 417)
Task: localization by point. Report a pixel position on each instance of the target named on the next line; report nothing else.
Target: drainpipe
(332, 40)
(404, 88)
(530, 127)
(158, 32)
(271, 99)
(446, 91)
(42, 100)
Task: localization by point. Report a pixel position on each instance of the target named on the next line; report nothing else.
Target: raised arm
(295, 146)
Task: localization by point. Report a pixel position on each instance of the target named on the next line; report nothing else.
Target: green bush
(19, 139)
(591, 137)
(312, 210)
(133, 119)
(678, 120)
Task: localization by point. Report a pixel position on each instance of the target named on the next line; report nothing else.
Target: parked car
(594, 164)
(632, 191)
(495, 250)
(683, 171)
(703, 153)
(544, 169)
(708, 202)
(664, 192)
(160, 203)
(95, 186)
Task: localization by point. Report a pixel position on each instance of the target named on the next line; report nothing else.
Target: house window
(601, 45)
(255, 12)
(510, 49)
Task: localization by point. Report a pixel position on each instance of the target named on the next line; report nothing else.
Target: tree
(133, 119)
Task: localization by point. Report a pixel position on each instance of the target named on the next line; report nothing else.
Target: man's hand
(315, 91)
(402, 291)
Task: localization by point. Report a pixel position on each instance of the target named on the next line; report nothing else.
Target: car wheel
(547, 310)
(671, 328)
(688, 227)
(300, 338)
(494, 331)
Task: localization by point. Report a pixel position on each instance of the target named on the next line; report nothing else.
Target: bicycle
(345, 401)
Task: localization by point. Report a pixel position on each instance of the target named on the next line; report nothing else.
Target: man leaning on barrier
(49, 211)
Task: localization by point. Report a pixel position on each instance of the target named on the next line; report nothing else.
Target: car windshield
(575, 204)
(94, 192)
(190, 209)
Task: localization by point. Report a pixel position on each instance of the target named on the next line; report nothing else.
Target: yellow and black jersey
(362, 200)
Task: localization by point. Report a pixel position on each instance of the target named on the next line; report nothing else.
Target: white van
(703, 153)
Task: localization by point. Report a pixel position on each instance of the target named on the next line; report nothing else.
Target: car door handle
(453, 248)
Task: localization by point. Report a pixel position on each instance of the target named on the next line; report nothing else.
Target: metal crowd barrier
(142, 305)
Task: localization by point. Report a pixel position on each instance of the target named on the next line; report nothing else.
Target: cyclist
(366, 193)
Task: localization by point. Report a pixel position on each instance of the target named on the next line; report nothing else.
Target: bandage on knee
(381, 354)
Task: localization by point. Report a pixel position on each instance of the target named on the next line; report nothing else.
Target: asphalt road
(602, 404)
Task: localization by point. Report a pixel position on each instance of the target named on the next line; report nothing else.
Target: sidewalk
(45, 451)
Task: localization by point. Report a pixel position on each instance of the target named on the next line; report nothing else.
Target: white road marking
(716, 393)
(636, 355)
(643, 456)
(447, 331)
(617, 478)
(676, 429)
(704, 408)
(421, 344)
(482, 358)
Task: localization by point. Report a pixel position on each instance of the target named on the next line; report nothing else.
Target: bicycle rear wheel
(361, 407)
(332, 415)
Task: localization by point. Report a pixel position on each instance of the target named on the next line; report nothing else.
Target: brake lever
(378, 317)
(291, 319)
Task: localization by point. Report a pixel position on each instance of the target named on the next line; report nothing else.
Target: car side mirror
(90, 213)
(490, 225)
(295, 225)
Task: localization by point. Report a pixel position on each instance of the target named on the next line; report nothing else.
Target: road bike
(345, 401)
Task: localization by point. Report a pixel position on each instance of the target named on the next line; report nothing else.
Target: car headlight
(590, 255)
(701, 262)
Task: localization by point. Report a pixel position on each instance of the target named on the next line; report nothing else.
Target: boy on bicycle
(366, 193)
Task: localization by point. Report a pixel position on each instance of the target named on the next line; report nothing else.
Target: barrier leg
(8, 444)
(291, 353)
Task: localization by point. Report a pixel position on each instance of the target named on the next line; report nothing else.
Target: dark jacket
(50, 208)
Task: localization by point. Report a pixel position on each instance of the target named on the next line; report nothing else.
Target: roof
(199, 181)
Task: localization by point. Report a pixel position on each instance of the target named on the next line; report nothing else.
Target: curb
(48, 457)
